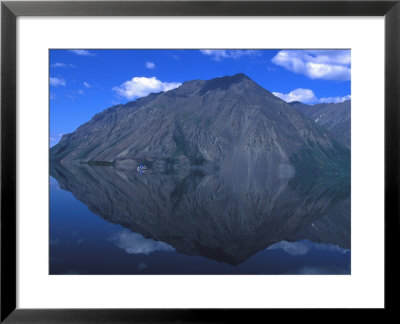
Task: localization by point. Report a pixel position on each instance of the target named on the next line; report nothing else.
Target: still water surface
(104, 220)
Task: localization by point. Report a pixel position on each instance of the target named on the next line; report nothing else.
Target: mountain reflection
(223, 215)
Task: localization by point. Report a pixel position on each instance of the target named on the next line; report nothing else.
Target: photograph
(199, 161)
(196, 161)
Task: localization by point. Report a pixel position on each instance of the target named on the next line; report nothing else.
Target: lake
(110, 220)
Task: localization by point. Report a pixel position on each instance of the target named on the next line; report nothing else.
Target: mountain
(335, 117)
(229, 122)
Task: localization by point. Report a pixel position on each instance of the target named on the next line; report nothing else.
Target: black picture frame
(11, 10)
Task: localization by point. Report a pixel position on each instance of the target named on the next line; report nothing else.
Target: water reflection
(225, 215)
(134, 243)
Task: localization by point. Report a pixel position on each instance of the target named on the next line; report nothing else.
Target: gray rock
(230, 122)
(335, 117)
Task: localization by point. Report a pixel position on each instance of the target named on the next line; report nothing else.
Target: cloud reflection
(321, 270)
(134, 243)
(304, 246)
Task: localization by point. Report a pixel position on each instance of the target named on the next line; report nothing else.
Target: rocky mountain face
(220, 216)
(335, 117)
(232, 169)
(230, 123)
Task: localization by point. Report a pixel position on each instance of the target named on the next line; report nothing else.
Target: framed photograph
(186, 161)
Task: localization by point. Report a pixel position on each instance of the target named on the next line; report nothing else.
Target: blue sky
(85, 82)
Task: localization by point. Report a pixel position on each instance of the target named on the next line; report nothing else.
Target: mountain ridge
(230, 121)
(335, 117)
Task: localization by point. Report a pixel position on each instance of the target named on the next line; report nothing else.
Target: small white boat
(141, 168)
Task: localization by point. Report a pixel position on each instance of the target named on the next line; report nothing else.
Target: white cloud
(142, 86)
(334, 99)
(59, 65)
(82, 52)
(218, 55)
(150, 65)
(62, 65)
(308, 96)
(134, 243)
(55, 82)
(81, 92)
(303, 95)
(87, 85)
(316, 64)
(54, 139)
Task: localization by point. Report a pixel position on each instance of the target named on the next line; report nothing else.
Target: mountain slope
(230, 122)
(335, 117)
